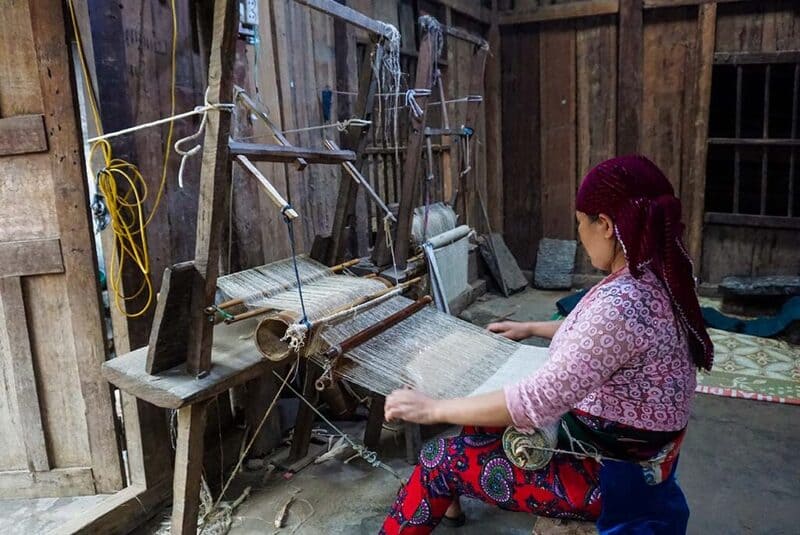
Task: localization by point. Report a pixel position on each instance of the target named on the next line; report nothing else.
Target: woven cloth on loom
(451, 259)
(752, 367)
(433, 352)
(275, 286)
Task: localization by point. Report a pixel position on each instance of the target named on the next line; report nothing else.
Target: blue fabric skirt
(632, 506)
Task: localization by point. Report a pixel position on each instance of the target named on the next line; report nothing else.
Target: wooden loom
(178, 370)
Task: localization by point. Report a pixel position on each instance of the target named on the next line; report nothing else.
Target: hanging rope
(186, 154)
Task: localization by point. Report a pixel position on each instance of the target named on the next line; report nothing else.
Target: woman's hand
(410, 406)
(515, 330)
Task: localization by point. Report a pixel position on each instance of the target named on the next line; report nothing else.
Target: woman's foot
(454, 517)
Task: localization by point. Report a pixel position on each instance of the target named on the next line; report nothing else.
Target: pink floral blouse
(620, 355)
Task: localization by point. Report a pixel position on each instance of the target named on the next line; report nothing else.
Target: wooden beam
(494, 129)
(695, 181)
(652, 4)
(558, 131)
(470, 8)
(411, 164)
(629, 91)
(261, 114)
(258, 152)
(745, 58)
(119, 514)
(235, 362)
(215, 179)
(58, 482)
(569, 10)
(353, 139)
(464, 35)
(23, 134)
(754, 142)
(349, 15)
(188, 469)
(752, 220)
(20, 379)
(30, 257)
(274, 195)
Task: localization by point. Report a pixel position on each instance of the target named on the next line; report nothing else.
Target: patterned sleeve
(604, 335)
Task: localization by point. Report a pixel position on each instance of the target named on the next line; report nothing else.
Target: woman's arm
(486, 410)
(519, 330)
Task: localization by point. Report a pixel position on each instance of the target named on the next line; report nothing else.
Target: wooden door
(57, 433)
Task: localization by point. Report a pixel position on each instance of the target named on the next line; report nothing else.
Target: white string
(186, 154)
(197, 111)
(411, 100)
(365, 453)
(341, 126)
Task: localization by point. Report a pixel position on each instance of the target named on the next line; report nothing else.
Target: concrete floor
(739, 469)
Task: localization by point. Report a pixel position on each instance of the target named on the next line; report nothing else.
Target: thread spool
(269, 333)
(530, 451)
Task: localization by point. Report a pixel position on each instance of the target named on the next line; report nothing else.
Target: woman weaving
(618, 384)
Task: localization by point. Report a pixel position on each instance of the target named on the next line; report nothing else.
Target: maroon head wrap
(647, 220)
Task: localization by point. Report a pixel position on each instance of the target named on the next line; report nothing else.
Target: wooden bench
(757, 296)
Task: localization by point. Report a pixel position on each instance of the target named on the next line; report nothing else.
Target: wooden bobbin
(268, 335)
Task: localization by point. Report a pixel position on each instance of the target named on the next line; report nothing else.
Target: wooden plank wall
(56, 412)
(295, 58)
(737, 250)
(562, 78)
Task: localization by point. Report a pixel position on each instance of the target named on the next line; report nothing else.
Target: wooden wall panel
(55, 340)
(595, 50)
(558, 129)
(521, 151)
(669, 38)
(746, 251)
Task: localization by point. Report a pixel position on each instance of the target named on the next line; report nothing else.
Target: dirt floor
(739, 469)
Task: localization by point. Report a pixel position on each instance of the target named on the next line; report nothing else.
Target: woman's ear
(608, 226)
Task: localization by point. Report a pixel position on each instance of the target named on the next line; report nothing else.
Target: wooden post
(215, 177)
(629, 92)
(476, 87)
(494, 127)
(188, 467)
(357, 140)
(706, 34)
(424, 79)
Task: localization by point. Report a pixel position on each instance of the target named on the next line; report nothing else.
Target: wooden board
(22, 134)
(58, 482)
(746, 251)
(215, 177)
(61, 308)
(629, 92)
(694, 180)
(521, 152)
(494, 130)
(30, 257)
(234, 357)
(188, 468)
(168, 345)
(120, 513)
(20, 380)
(668, 85)
(557, 101)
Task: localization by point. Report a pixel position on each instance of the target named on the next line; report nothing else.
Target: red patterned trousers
(474, 465)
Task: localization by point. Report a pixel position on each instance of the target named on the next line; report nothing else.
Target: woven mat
(753, 368)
